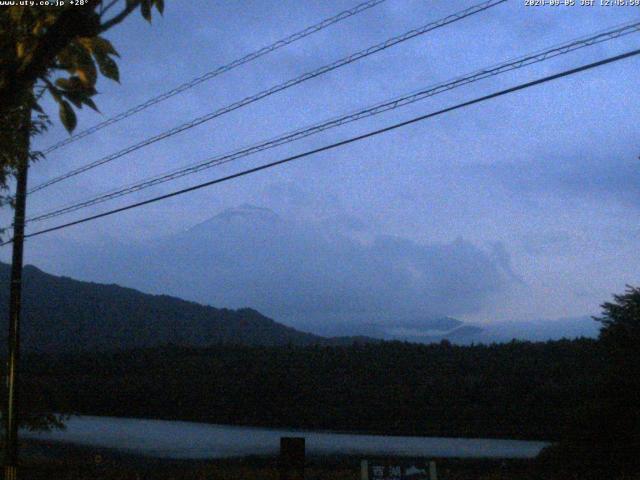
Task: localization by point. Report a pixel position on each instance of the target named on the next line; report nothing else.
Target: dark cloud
(613, 178)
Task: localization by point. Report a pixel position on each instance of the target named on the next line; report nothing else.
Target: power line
(341, 143)
(218, 71)
(277, 88)
(509, 65)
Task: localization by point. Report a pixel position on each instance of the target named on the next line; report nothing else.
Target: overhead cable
(332, 146)
(509, 65)
(275, 89)
(216, 72)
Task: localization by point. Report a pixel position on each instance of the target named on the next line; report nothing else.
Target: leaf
(68, 116)
(145, 9)
(76, 92)
(103, 45)
(80, 98)
(64, 58)
(20, 48)
(74, 97)
(160, 6)
(16, 13)
(55, 93)
(38, 108)
(85, 68)
(40, 26)
(64, 83)
(87, 75)
(77, 60)
(71, 83)
(24, 49)
(90, 103)
(99, 45)
(108, 67)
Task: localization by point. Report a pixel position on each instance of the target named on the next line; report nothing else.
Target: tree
(603, 437)
(59, 51)
(620, 338)
(620, 331)
(56, 50)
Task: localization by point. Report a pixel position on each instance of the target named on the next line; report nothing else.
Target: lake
(182, 440)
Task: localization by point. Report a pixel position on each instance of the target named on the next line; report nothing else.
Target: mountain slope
(314, 273)
(62, 314)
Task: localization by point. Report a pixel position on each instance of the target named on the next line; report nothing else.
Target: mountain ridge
(61, 314)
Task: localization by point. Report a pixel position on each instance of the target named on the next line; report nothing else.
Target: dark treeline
(515, 390)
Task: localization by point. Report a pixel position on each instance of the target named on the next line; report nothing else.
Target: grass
(46, 461)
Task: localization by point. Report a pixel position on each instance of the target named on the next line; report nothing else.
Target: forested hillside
(62, 314)
(514, 390)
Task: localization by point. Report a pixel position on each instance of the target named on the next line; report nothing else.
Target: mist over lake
(169, 439)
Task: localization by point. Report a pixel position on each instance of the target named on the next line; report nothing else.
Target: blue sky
(534, 196)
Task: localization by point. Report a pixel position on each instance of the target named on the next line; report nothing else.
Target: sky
(524, 207)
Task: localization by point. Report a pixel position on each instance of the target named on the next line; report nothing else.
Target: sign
(292, 458)
(398, 470)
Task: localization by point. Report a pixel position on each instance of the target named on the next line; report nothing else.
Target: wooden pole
(364, 470)
(15, 300)
(292, 458)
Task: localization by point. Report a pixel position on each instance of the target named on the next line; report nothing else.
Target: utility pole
(15, 300)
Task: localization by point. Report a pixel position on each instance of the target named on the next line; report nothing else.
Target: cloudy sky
(524, 207)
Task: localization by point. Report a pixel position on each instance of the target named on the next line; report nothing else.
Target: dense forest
(516, 390)
(108, 350)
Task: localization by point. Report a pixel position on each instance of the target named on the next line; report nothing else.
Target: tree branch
(105, 9)
(119, 17)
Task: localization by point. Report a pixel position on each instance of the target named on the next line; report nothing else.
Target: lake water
(170, 439)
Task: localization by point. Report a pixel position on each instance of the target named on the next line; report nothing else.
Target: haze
(518, 209)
